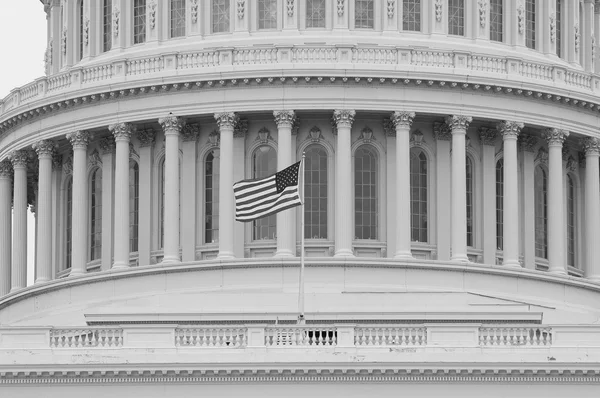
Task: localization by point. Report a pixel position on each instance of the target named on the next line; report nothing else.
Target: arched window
(177, 18)
(530, 23)
(315, 193)
(69, 223)
(571, 221)
(366, 208)
(541, 212)
(364, 11)
(220, 16)
(500, 204)
(134, 205)
(267, 14)
(496, 23)
(139, 21)
(211, 197)
(418, 196)
(315, 13)
(96, 215)
(456, 17)
(264, 164)
(411, 15)
(469, 164)
(559, 28)
(107, 25)
(80, 18)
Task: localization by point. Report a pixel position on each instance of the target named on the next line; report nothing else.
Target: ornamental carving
(241, 7)
(388, 127)
(438, 10)
(48, 57)
(581, 159)
(459, 122)
(68, 166)
(366, 135)
(314, 134)
(344, 117)
(510, 129)
(116, 17)
(284, 118)
(482, 12)
(171, 124)
(521, 18)
(190, 132)
(214, 139)
(107, 144)
(6, 168)
(416, 138)
(121, 131)
(79, 139)
(591, 146)
(290, 8)
(86, 31)
(57, 161)
(94, 159)
(555, 136)
(577, 37)
(264, 135)
(63, 42)
(152, 14)
(542, 156)
(571, 163)
(402, 119)
(240, 129)
(442, 132)
(296, 125)
(552, 27)
(194, 11)
(391, 8)
(593, 41)
(487, 136)
(340, 8)
(19, 158)
(146, 137)
(44, 147)
(527, 142)
(226, 120)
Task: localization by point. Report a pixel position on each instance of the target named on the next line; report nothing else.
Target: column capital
(190, 132)
(19, 158)
(240, 128)
(555, 137)
(226, 120)
(527, 142)
(6, 169)
(510, 129)
(344, 117)
(146, 137)
(57, 161)
(441, 132)
(488, 136)
(79, 139)
(402, 119)
(458, 123)
(121, 131)
(171, 124)
(591, 146)
(284, 118)
(44, 148)
(107, 144)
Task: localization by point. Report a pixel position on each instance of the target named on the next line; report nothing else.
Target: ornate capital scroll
(402, 119)
(190, 132)
(146, 137)
(6, 168)
(591, 146)
(226, 120)
(527, 142)
(344, 117)
(79, 139)
(459, 123)
(510, 129)
(488, 136)
(171, 124)
(121, 131)
(441, 131)
(19, 158)
(555, 136)
(107, 144)
(44, 148)
(284, 118)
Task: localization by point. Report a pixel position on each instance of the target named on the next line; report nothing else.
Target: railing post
(24, 337)
(460, 335)
(256, 336)
(144, 336)
(345, 335)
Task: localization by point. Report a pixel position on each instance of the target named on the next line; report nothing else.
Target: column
(587, 41)
(556, 222)
(19, 161)
(45, 150)
(6, 172)
(591, 146)
(390, 181)
(442, 136)
(510, 132)
(458, 125)
(107, 150)
(487, 137)
(402, 121)
(171, 126)
(240, 131)
(527, 144)
(189, 135)
(286, 239)
(80, 231)
(122, 134)
(343, 183)
(226, 122)
(146, 138)
(58, 211)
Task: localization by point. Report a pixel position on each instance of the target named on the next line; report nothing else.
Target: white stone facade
(452, 191)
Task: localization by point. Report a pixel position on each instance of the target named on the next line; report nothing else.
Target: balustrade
(390, 336)
(211, 337)
(86, 338)
(515, 336)
(300, 336)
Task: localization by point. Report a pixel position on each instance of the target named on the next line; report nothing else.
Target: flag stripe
(270, 203)
(264, 200)
(282, 206)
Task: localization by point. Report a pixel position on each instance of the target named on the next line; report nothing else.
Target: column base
(225, 256)
(403, 255)
(120, 265)
(15, 289)
(343, 253)
(594, 278)
(284, 253)
(170, 260)
(76, 272)
(42, 280)
(559, 271)
(460, 258)
(511, 263)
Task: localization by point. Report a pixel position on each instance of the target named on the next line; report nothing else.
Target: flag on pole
(259, 198)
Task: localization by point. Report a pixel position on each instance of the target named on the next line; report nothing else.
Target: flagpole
(301, 319)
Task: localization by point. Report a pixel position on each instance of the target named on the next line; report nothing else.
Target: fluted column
(19, 161)
(556, 222)
(458, 125)
(402, 121)
(591, 147)
(171, 126)
(487, 137)
(587, 41)
(122, 134)
(443, 211)
(6, 171)
(146, 138)
(343, 183)
(510, 132)
(80, 232)
(527, 144)
(189, 136)
(226, 123)
(45, 150)
(286, 241)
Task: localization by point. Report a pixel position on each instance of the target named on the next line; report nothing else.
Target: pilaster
(527, 145)
(146, 138)
(107, 152)
(443, 137)
(591, 147)
(189, 136)
(488, 139)
(587, 39)
(344, 227)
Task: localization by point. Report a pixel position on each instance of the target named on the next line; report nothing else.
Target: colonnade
(13, 248)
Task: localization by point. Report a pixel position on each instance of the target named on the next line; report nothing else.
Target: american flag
(259, 198)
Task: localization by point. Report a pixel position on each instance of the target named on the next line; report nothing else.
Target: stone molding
(121, 131)
(488, 136)
(510, 129)
(402, 119)
(591, 146)
(19, 158)
(555, 137)
(79, 139)
(284, 118)
(44, 148)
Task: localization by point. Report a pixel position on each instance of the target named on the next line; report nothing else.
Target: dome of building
(449, 235)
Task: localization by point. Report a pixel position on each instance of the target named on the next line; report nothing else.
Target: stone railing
(86, 337)
(396, 60)
(220, 337)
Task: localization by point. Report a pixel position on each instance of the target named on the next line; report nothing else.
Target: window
(571, 221)
(264, 164)
(496, 25)
(469, 164)
(107, 25)
(418, 195)
(559, 28)
(366, 207)
(267, 14)
(211, 197)
(541, 212)
(177, 18)
(315, 193)
(500, 204)
(530, 23)
(315, 13)
(134, 205)
(69, 224)
(456, 17)
(411, 15)
(81, 29)
(96, 215)
(363, 14)
(139, 21)
(220, 16)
